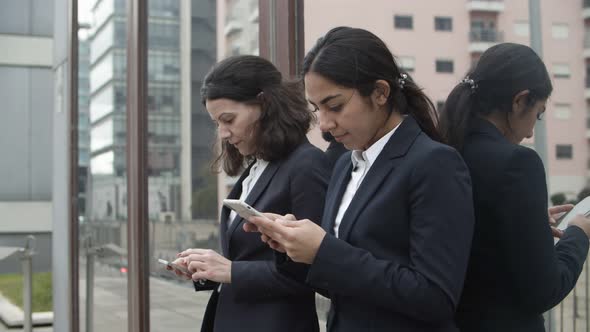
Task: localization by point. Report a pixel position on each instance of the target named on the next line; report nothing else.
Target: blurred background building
(26, 130)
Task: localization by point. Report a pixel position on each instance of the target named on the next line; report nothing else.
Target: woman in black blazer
(515, 272)
(263, 122)
(393, 245)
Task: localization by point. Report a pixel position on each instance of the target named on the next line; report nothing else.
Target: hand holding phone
(176, 267)
(583, 208)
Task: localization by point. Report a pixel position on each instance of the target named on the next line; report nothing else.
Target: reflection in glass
(183, 207)
(102, 166)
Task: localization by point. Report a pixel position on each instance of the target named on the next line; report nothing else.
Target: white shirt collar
(369, 155)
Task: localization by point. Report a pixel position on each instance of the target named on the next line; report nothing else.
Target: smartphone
(175, 266)
(583, 208)
(242, 208)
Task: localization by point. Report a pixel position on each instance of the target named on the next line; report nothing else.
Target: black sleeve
(539, 274)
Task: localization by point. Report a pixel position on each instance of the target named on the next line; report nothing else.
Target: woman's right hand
(264, 236)
(181, 262)
(583, 223)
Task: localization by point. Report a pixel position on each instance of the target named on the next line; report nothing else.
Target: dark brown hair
(356, 58)
(503, 71)
(285, 117)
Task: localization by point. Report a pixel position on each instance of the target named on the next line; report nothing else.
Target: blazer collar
(254, 195)
(479, 126)
(391, 156)
(225, 211)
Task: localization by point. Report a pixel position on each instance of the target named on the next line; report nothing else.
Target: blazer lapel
(334, 198)
(397, 146)
(255, 193)
(225, 211)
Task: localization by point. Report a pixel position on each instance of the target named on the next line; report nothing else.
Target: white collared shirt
(361, 163)
(249, 182)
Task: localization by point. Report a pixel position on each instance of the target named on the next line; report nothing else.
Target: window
(444, 66)
(564, 151)
(522, 28)
(560, 31)
(407, 63)
(562, 111)
(443, 23)
(403, 22)
(561, 70)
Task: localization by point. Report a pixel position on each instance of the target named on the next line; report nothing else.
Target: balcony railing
(486, 36)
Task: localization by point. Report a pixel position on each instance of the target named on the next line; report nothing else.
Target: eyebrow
(327, 99)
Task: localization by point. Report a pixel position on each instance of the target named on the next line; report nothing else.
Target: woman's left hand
(301, 239)
(207, 264)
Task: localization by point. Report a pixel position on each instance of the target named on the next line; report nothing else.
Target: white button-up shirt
(361, 163)
(249, 182)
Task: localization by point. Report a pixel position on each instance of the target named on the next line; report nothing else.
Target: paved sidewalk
(174, 305)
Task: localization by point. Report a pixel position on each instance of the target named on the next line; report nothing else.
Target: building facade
(27, 94)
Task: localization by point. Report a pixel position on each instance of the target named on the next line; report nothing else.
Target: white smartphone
(583, 208)
(242, 208)
(177, 267)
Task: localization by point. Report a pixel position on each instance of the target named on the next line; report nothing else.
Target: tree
(558, 198)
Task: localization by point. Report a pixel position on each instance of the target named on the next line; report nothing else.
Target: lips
(338, 138)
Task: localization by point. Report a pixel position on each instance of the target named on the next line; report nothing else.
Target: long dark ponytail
(502, 72)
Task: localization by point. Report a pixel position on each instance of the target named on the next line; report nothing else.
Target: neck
(500, 121)
(393, 120)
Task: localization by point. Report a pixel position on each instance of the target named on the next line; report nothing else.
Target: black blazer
(259, 297)
(515, 272)
(401, 255)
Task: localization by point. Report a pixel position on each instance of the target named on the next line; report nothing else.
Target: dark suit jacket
(515, 272)
(401, 255)
(259, 297)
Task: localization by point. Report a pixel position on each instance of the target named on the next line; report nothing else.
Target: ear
(381, 92)
(520, 102)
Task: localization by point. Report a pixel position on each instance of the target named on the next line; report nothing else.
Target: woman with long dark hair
(393, 245)
(515, 272)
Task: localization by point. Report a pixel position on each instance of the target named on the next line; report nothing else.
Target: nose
(224, 132)
(326, 123)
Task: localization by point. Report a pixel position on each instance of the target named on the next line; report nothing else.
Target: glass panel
(183, 195)
(102, 171)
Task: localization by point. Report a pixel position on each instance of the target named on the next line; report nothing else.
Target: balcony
(482, 39)
(587, 91)
(587, 44)
(490, 6)
(586, 9)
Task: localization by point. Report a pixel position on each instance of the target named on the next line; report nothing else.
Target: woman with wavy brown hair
(262, 122)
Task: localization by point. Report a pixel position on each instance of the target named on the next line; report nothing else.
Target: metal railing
(25, 254)
(486, 36)
(573, 313)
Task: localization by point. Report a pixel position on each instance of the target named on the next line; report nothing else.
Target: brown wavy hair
(285, 117)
